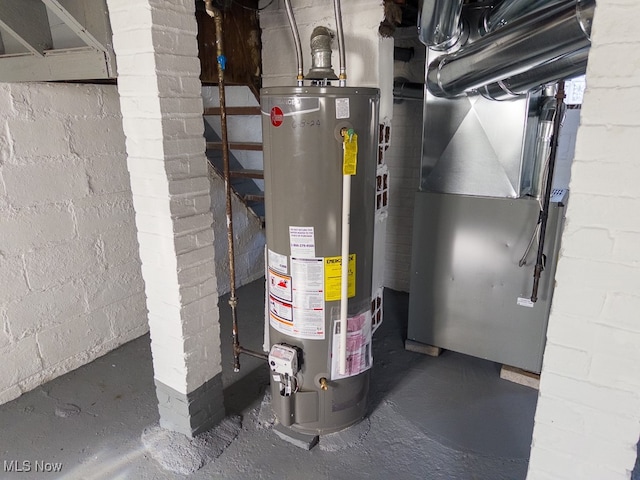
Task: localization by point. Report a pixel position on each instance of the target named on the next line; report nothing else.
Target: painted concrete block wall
(369, 57)
(70, 282)
(403, 159)
(587, 422)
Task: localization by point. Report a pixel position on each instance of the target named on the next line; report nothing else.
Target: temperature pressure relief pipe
(349, 161)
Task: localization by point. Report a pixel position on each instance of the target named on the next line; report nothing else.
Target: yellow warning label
(350, 154)
(332, 278)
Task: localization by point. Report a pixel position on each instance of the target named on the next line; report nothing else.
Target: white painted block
(582, 272)
(45, 182)
(62, 100)
(604, 144)
(19, 361)
(127, 315)
(101, 213)
(144, 128)
(37, 138)
(194, 186)
(40, 309)
(583, 393)
(195, 257)
(78, 334)
(621, 310)
(190, 293)
(625, 249)
(566, 361)
(13, 280)
(55, 264)
(9, 394)
(109, 287)
(35, 228)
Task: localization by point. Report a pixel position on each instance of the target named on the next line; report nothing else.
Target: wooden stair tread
(233, 111)
(253, 146)
(247, 173)
(253, 198)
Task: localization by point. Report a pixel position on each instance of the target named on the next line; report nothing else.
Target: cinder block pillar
(160, 98)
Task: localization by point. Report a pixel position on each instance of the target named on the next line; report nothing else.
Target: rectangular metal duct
(476, 146)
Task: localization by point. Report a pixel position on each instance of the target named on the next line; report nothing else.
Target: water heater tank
(303, 134)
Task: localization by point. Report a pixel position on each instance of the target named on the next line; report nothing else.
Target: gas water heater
(312, 136)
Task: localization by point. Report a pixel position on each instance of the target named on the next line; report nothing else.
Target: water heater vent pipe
(342, 78)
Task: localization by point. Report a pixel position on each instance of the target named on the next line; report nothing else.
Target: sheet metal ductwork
(440, 26)
(508, 11)
(553, 32)
(566, 66)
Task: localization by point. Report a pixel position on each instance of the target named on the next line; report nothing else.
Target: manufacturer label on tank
(333, 278)
(277, 117)
(288, 106)
(342, 108)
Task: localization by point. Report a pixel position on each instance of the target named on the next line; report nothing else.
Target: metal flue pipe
(439, 23)
(321, 68)
(564, 67)
(509, 11)
(514, 49)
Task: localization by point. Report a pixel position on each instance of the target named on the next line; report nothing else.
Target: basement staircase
(245, 143)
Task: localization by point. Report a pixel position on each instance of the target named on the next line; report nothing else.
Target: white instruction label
(359, 357)
(281, 309)
(302, 242)
(525, 302)
(280, 286)
(277, 262)
(342, 108)
(308, 297)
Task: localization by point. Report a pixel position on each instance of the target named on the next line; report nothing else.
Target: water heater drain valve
(283, 361)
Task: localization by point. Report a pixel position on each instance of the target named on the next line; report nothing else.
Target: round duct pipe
(525, 44)
(439, 24)
(567, 66)
(511, 10)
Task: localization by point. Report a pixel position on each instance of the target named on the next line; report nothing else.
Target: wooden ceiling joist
(27, 21)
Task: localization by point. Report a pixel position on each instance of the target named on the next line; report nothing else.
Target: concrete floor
(429, 418)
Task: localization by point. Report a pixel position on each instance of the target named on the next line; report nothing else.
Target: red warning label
(277, 117)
